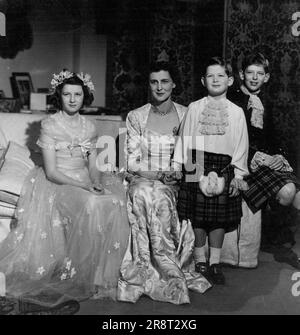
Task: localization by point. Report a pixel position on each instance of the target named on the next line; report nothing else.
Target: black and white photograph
(150, 160)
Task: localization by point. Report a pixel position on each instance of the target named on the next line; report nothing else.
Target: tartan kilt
(264, 184)
(210, 213)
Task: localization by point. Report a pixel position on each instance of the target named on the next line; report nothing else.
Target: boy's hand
(234, 188)
(276, 162)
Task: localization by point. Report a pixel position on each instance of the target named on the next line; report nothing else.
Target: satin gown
(158, 258)
(69, 242)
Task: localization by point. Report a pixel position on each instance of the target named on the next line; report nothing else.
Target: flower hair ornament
(86, 79)
(58, 79)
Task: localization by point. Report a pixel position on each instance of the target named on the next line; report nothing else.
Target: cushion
(7, 210)
(5, 224)
(18, 152)
(3, 140)
(15, 168)
(2, 155)
(8, 197)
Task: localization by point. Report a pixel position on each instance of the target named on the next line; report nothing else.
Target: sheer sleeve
(47, 137)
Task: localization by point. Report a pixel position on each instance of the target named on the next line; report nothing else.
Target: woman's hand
(276, 162)
(169, 177)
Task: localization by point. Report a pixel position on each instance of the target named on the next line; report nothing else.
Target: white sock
(199, 254)
(215, 255)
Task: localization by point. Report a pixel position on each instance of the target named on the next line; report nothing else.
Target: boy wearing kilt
(271, 180)
(271, 174)
(212, 151)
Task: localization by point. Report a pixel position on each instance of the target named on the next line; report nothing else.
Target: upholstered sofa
(23, 130)
(240, 247)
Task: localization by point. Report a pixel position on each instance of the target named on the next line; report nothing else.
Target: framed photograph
(22, 86)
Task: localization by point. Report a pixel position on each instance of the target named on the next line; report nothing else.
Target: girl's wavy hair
(56, 100)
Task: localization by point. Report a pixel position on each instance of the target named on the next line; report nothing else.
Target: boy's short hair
(216, 60)
(255, 59)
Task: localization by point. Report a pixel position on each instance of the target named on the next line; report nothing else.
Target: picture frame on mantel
(22, 86)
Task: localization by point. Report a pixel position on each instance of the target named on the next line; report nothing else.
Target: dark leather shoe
(202, 267)
(216, 275)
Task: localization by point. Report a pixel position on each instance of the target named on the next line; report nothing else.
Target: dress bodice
(147, 149)
(157, 149)
(71, 143)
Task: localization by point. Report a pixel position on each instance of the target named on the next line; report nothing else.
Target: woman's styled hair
(218, 61)
(164, 66)
(255, 59)
(56, 100)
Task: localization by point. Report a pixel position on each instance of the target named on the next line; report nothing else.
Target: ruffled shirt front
(232, 140)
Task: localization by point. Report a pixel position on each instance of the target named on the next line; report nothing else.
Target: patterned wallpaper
(126, 88)
(187, 33)
(166, 34)
(169, 31)
(172, 39)
(265, 25)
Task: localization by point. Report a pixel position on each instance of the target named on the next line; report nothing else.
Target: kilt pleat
(210, 213)
(265, 184)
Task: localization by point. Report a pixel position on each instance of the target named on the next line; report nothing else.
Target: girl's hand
(276, 162)
(96, 188)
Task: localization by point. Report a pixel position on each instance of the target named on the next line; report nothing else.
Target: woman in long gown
(157, 259)
(72, 232)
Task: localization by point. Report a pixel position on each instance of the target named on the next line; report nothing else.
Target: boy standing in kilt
(271, 180)
(212, 151)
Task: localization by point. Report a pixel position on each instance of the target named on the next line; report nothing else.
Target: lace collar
(214, 117)
(256, 107)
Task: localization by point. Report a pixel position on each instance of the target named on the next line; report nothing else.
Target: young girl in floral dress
(72, 232)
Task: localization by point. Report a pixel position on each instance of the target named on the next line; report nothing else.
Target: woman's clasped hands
(169, 177)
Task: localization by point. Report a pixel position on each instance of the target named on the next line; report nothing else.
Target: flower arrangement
(65, 74)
